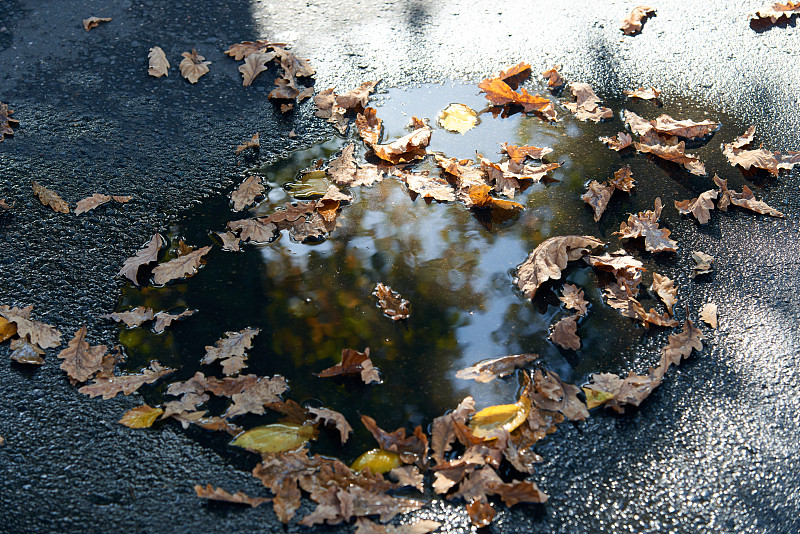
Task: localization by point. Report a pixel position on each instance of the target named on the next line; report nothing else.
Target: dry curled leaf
(38, 333)
(3, 204)
(231, 350)
(408, 148)
(776, 11)
(425, 526)
(181, 267)
(772, 162)
(553, 77)
(6, 122)
(680, 345)
(622, 141)
(644, 94)
(49, 198)
(192, 66)
(597, 197)
(7, 329)
(549, 392)
(164, 319)
(230, 241)
(674, 153)
(98, 199)
(699, 207)
(666, 290)
(391, 303)
(549, 258)
(708, 314)
(517, 154)
(412, 449)
(93, 22)
(616, 392)
(572, 297)
(745, 199)
(632, 24)
(645, 224)
(564, 333)
(253, 143)
(500, 93)
(158, 65)
(145, 256)
(353, 363)
(27, 353)
(240, 51)
(247, 193)
(253, 65)
(125, 384)
(487, 370)
(219, 494)
(702, 263)
(141, 417)
(623, 179)
(332, 417)
(687, 129)
(369, 126)
(586, 107)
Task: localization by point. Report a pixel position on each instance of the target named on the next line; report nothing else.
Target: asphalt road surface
(714, 449)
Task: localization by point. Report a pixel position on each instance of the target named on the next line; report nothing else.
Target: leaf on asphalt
(332, 417)
(3, 204)
(429, 187)
(253, 143)
(480, 512)
(487, 370)
(616, 392)
(98, 199)
(425, 526)
(408, 148)
(572, 297)
(597, 197)
(586, 107)
(247, 193)
(772, 162)
(125, 384)
(518, 491)
(253, 65)
(180, 267)
(110, 361)
(564, 333)
(645, 224)
(666, 290)
(193, 66)
(93, 22)
(553, 77)
(49, 198)
(638, 125)
(699, 207)
(38, 333)
(158, 65)
(141, 417)
(353, 363)
(255, 397)
(412, 449)
(746, 199)
(391, 303)
(551, 393)
(145, 256)
(6, 122)
(517, 154)
(621, 142)
(680, 345)
(674, 153)
(219, 494)
(776, 11)
(644, 94)
(133, 317)
(708, 314)
(357, 98)
(231, 350)
(687, 129)
(620, 265)
(632, 24)
(240, 51)
(500, 93)
(702, 263)
(550, 258)
(274, 438)
(343, 170)
(369, 126)
(408, 476)
(458, 118)
(24, 352)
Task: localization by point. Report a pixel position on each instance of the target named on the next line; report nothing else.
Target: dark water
(312, 300)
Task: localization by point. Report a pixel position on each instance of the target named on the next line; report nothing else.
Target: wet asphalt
(713, 450)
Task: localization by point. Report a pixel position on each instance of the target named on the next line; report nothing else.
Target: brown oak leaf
(586, 107)
(616, 392)
(343, 170)
(241, 50)
(369, 126)
(597, 196)
(158, 65)
(254, 398)
(332, 417)
(443, 431)
(253, 65)
(549, 258)
(24, 352)
(98, 199)
(746, 199)
(145, 256)
(622, 141)
(515, 75)
(391, 303)
(425, 526)
(551, 393)
(181, 267)
(6, 122)
(407, 148)
(356, 98)
(686, 128)
(702, 263)
(353, 363)
(776, 11)
(680, 345)
(254, 143)
(231, 350)
(164, 319)
(708, 314)
(632, 24)
(518, 491)
(193, 66)
(699, 207)
(254, 230)
(49, 198)
(553, 77)
(230, 241)
(771, 162)
(247, 193)
(125, 384)
(219, 494)
(666, 290)
(622, 266)
(412, 449)
(517, 154)
(480, 512)
(487, 370)
(408, 475)
(572, 297)
(428, 187)
(644, 94)
(623, 179)
(674, 153)
(133, 317)
(93, 22)
(645, 224)
(564, 333)
(38, 333)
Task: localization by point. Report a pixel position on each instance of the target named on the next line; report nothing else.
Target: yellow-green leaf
(378, 461)
(279, 437)
(458, 118)
(141, 417)
(596, 398)
(506, 416)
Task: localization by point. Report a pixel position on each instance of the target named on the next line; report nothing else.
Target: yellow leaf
(377, 460)
(7, 329)
(141, 417)
(458, 118)
(279, 437)
(596, 398)
(506, 416)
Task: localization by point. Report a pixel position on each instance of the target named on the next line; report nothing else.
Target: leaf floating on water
(145, 256)
(458, 118)
(644, 94)
(158, 66)
(572, 297)
(93, 22)
(231, 350)
(141, 417)
(702, 263)
(622, 141)
(408, 475)
(487, 370)
(597, 196)
(586, 107)
(549, 258)
(344, 170)
(686, 128)
(645, 224)
(255, 397)
(551, 393)
(132, 318)
(674, 153)
(391, 303)
(49, 198)
(193, 66)
(219, 494)
(699, 207)
(247, 193)
(332, 417)
(369, 126)
(412, 449)
(488, 421)
(125, 384)
(408, 148)
(429, 187)
(164, 319)
(378, 461)
(334, 107)
(517, 154)
(181, 267)
(230, 241)
(564, 333)
(278, 437)
(500, 93)
(255, 144)
(353, 363)
(632, 24)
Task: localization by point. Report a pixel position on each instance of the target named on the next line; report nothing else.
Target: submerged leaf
(586, 107)
(458, 118)
(278, 437)
(353, 363)
(378, 461)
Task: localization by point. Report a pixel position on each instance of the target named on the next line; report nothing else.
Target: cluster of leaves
(52, 200)
(777, 11)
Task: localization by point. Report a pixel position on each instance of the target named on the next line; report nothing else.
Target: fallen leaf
(708, 314)
(141, 417)
(133, 317)
(645, 224)
(443, 431)
(7, 329)
(549, 258)
(572, 297)
(192, 66)
(253, 143)
(253, 65)
(429, 187)
(500, 93)
(632, 24)
(254, 230)
(675, 153)
(240, 51)
(519, 491)
(699, 207)
(487, 422)
(164, 319)
(353, 363)
(507, 175)
(597, 197)
(552, 394)
(638, 125)
(278, 437)
(680, 345)
(92, 22)
(515, 75)
(553, 77)
(219, 494)
(666, 290)
(38, 333)
(145, 256)
(406, 149)
(686, 128)
(702, 263)
(3, 204)
(408, 475)
(158, 66)
(622, 141)
(6, 122)
(746, 199)
(230, 241)
(357, 98)
(487, 370)
(332, 417)
(424, 526)
(378, 461)
(369, 126)
(125, 384)
(391, 303)
(98, 199)
(343, 170)
(564, 333)
(24, 352)
(586, 107)
(255, 397)
(644, 94)
(412, 449)
(247, 193)
(621, 265)
(776, 11)
(180, 267)
(481, 513)
(623, 179)
(517, 154)
(231, 350)
(771, 162)
(110, 361)
(459, 118)
(616, 392)
(49, 198)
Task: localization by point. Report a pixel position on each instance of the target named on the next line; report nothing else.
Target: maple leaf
(231, 350)
(645, 224)
(549, 258)
(500, 93)
(487, 370)
(24, 352)
(328, 417)
(680, 345)
(702, 263)
(180, 267)
(164, 319)
(632, 24)
(219, 494)
(353, 362)
(133, 317)
(564, 333)
(517, 154)
(253, 143)
(6, 122)
(458, 118)
(553, 77)
(125, 384)
(93, 22)
(708, 314)
(192, 66)
(38, 333)
(551, 393)
(141, 417)
(572, 297)
(98, 199)
(49, 198)
(247, 193)
(699, 207)
(145, 256)
(407, 148)
(429, 187)
(369, 126)
(644, 94)
(253, 65)
(776, 11)
(412, 449)
(254, 398)
(666, 290)
(158, 65)
(674, 153)
(597, 196)
(771, 162)
(391, 303)
(587, 105)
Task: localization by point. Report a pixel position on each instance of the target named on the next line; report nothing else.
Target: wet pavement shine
(714, 449)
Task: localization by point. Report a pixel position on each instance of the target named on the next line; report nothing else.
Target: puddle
(312, 300)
